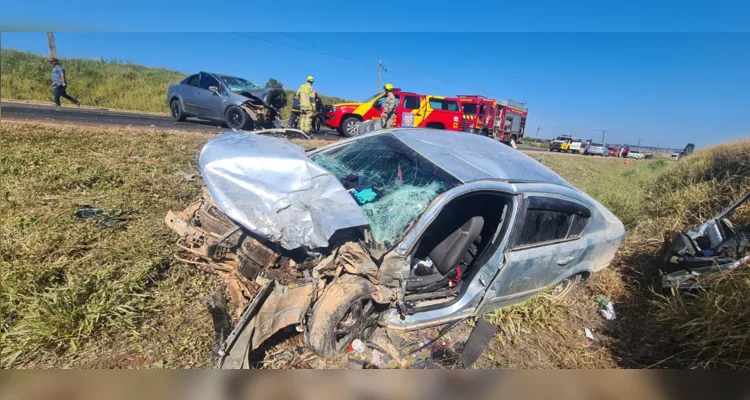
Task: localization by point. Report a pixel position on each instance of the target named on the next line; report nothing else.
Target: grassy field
(79, 295)
(99, 83)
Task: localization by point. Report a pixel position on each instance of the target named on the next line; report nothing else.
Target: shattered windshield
(392, 183)
(238, 84)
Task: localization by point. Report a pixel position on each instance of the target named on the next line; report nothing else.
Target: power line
(301, 48)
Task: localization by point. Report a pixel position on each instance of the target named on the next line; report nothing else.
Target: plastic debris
(606, 308)
(111, 222)
(365, 196)
(87, 212)
(357, 346)
(588, 334)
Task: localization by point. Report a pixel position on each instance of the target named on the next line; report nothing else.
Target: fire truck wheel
(512, 143)
(349, 126)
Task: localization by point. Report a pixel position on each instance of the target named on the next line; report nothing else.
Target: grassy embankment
(77, 295)
(99, 83)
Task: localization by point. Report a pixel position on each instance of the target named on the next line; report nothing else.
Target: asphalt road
(88, 116)
(99, 117)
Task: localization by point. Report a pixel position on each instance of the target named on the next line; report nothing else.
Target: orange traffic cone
(627, 160)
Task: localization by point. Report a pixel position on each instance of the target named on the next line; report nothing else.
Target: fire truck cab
(510, 122)
(412, 110)
(479, 113)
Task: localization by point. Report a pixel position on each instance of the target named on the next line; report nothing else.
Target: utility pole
(537, 133)
(603, 133)
(52, 48)
(639, 143)
(380, 69)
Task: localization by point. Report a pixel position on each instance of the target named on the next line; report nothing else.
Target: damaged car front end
(402, 229)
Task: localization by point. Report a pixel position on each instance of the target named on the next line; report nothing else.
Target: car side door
(209, 101)
(546, 246)
(187, 92)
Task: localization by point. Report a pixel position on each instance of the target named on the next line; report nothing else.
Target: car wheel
(237, 118)
(176, 109)
(563, 288)
(349, 127)
(343, 313)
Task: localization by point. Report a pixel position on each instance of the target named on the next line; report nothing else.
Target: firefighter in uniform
(389, 108)
(306, 96)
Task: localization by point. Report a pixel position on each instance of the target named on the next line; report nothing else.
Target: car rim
(359, 322)
(562, 288)
(351, 127)
(234, 119)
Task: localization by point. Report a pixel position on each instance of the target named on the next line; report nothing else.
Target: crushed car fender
(283, 307)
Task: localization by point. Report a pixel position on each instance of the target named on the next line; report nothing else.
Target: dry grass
(75, 295)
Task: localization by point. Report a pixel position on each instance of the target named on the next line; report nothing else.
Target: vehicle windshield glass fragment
(404, 182)
(239, 84)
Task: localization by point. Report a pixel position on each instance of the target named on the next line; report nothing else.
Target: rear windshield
(443, 104)
(470, 109)
(404, 183)
(597, 145)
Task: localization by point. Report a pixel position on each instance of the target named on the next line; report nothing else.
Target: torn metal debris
(714, 246)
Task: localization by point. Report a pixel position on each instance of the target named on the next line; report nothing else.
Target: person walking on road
(59, 84)
(306, 95)
(388, 117)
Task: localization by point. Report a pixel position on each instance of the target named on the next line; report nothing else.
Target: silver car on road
(235, 101)
(402, 228)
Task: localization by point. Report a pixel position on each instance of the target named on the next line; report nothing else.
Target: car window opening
(392, 183)
(456, 243)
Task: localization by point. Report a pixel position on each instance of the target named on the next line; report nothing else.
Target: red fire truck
(510, 122)
(412, 110)
(479, 113)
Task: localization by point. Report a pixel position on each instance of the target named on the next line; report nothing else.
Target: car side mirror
(214, 89)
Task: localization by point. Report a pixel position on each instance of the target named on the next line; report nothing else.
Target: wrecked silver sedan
(403, 228)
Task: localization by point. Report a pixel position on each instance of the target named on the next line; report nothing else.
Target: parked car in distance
(635, 154)
(674, 156)
(612, 151)
(565, 143)
(421, 234)
(595, 149)
(237, 102)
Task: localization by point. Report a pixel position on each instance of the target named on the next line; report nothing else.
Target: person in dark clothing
(294, 116)
(318, 119)
(59, 84)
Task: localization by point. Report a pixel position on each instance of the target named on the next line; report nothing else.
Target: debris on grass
(605, 307)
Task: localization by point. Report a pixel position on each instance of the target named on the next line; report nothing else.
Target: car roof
(471, 157)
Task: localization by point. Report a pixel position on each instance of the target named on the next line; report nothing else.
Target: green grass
(100, 83)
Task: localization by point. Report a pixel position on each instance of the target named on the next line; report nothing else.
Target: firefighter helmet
(310, 79)
(388, 86)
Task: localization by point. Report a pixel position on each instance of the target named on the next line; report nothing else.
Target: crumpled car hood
(268, 96)
(270, 187)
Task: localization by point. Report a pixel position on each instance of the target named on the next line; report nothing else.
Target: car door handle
(565, 260)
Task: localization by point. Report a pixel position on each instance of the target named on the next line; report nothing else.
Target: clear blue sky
(667, 88)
